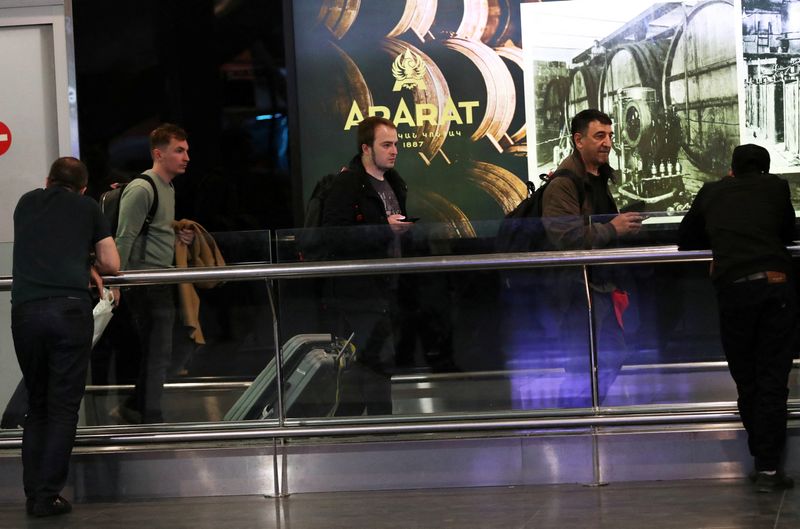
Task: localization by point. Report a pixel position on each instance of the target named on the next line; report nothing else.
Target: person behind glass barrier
(592, 138)
(364, 216)
(55, 229)
(152, 307)
(565, 218)
(747, 221)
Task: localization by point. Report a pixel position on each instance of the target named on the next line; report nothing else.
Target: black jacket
(747, 221)
(354, 217)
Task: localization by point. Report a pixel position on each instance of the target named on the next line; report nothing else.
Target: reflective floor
(718, 504)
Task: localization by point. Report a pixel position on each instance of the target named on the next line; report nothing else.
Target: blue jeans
(53, 340)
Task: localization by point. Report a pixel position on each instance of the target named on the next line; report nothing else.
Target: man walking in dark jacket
(747, 220)
(365, 217)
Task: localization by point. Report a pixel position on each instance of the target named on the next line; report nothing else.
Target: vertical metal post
(592, 339)
(596, 471)
(278, 449)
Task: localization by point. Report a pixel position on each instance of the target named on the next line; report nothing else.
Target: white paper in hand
(102, 314)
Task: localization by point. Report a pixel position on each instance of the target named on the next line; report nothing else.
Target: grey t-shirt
(392, 207)
(385, 191)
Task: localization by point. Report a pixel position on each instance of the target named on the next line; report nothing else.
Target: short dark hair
(366, 130)
(163, 134)
(749, 158)
(68, 172)
(580, 123)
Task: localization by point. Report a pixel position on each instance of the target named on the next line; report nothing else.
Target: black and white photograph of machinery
(666, 73)
(771, 51)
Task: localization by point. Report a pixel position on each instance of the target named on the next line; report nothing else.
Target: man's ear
(83, 190)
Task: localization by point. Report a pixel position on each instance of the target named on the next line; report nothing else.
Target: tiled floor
(718, 504)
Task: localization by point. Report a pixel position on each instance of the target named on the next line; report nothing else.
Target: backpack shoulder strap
(151, 213)
(154, 206)
(576, 180)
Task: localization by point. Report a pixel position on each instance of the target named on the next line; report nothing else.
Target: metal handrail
(501, 261)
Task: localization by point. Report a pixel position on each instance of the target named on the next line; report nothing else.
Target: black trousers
(757, 326)
(152, 309)
(53, 340)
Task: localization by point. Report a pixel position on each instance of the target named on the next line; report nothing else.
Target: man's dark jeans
(153, 311)
(53, 340)
(757, 326)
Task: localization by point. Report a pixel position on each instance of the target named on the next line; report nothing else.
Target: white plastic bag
(102, 314)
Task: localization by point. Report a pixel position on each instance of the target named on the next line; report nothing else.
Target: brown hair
(366, 130)
(163, 134)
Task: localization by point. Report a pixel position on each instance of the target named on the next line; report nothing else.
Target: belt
(770, 276)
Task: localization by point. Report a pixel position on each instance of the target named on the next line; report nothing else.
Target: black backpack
(521, 229)
(310, 241)
(109, 205)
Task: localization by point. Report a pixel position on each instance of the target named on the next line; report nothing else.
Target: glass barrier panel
(657, 334)
(445, 342)
(206, 366)
(241, 247)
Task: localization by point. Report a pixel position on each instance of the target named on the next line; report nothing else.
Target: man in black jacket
(364, 216)
(747, 220)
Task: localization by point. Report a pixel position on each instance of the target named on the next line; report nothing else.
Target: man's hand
(398, 224)
(115, 293)
(186, 236)
(95, 279)
(627, 223)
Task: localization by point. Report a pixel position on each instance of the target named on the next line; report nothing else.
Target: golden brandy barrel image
(337, 83)
(583, 83)
(481, 88)
(503, 186)
(639, 64)
(460, 18)
(504, 23)
(375, 19)
(701, 85)
(408, 88)
(451, 220)
(429, 92)
(517, 132)
(417, 17)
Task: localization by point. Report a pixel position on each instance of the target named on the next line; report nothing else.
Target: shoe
(125, 414)
(773, 482)
(51, 507)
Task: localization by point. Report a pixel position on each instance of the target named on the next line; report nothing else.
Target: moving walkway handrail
(502, 261)
(496, 261)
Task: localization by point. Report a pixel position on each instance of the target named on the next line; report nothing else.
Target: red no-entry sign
(5, 138)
